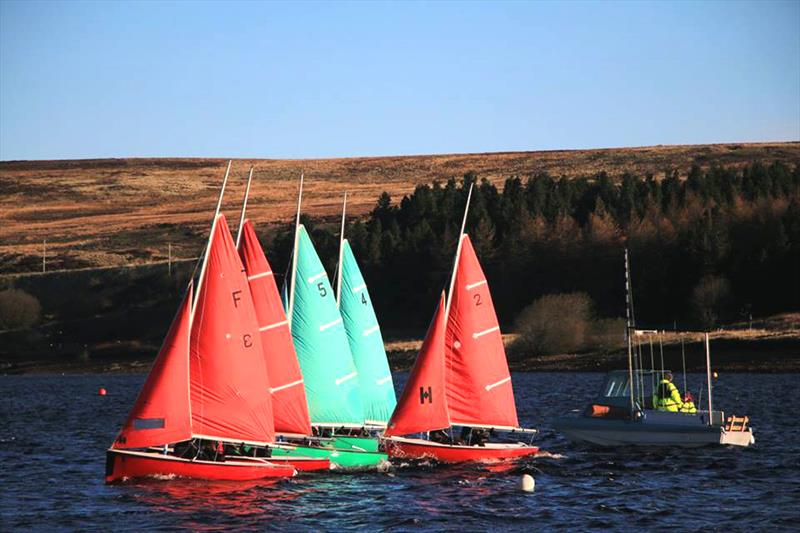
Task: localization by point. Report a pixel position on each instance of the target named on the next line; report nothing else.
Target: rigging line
(652, 363)
(683, 360)
(661, 351)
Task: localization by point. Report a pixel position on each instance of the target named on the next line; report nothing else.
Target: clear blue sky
(82, 79)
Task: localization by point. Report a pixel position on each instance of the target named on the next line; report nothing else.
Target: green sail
(366, 342)
(329, 375)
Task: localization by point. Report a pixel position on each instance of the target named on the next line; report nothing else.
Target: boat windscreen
(617, 385)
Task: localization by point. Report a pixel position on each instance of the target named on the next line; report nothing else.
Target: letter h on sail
(425, 395)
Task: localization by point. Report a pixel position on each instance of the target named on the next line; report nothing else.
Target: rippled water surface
(54, 431)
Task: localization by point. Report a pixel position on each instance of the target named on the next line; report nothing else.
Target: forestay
(366, 341)
(330, 376)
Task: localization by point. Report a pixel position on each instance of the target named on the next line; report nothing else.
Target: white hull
(669, 429)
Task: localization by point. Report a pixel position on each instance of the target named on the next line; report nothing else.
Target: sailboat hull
(359, 444)
(405, 448)
(127, 464)
(302, 463)
(339, 458)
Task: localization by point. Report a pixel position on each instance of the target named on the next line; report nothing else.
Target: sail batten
(289, 406)
(365, 339)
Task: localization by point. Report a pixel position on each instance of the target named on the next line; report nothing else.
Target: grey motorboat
(610, 421)
(623, 413)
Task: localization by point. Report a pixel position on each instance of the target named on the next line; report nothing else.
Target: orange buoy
(102, 391)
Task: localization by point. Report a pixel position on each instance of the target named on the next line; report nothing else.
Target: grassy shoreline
(757, 350)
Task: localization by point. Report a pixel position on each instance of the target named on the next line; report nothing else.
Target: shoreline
(777, 353)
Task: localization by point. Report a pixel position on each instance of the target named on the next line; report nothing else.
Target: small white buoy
(716, 375)
(527, 483)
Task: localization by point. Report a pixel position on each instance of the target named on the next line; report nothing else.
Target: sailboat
(460, 378)
(366, 345)
(289, 409)
(204, 399)
(622, 413)
(330, 377)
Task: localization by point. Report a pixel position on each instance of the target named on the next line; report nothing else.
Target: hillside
(125, 211)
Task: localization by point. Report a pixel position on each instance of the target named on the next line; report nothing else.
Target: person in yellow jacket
(666, 396)
(688, 404)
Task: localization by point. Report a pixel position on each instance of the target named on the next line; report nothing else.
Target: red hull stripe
(132, 465)
(419, 449)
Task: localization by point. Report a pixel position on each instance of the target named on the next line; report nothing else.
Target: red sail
(289, 405)
(423, 406)
(478, 382)
(161, 412)
(228, 372)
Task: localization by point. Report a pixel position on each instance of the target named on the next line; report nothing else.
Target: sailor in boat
(666, 396)
(688, 404)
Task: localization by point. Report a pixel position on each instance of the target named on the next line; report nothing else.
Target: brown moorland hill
(108, 212)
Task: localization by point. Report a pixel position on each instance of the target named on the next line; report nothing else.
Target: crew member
(666, 396)
(688, 403)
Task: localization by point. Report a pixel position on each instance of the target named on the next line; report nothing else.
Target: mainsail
(289, 404)
(479, 388)
(423, 404)
(161, 412)
(366, 341)
(331, 379)
(227, 369)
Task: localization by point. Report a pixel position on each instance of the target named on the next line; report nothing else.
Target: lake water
(54, 431)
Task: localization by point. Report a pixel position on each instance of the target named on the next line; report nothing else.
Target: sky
(305, 80)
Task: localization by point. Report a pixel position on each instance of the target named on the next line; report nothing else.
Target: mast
(458, 255)
(629, 327)
(683, 362)
(294, 254)
(244, 208)
(341, 250)
(708, 377)
(210, 236)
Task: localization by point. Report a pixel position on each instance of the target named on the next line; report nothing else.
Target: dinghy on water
(330, 377)
(204, 397)
(623, 413)
(460, 379)
(366, 346)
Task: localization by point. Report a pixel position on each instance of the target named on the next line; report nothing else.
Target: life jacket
(688, 407)
(667, 397)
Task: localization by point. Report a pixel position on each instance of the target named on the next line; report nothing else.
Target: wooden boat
(206, 385)
(622, 414)
(460, 378)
